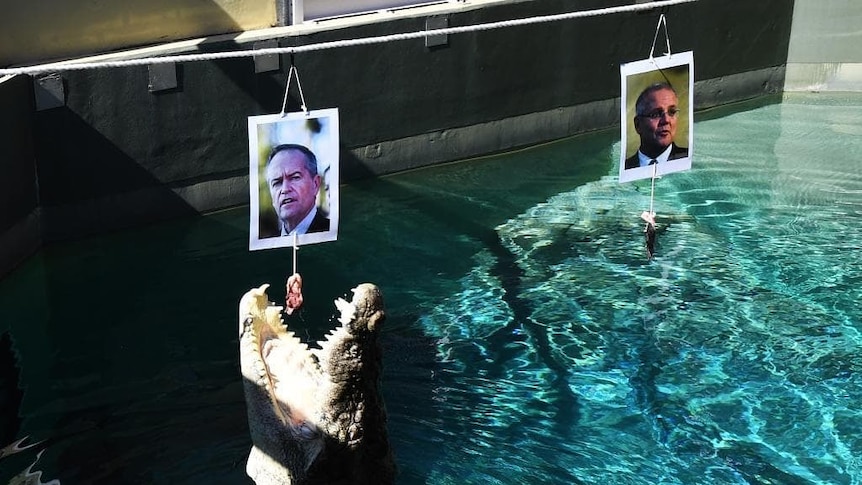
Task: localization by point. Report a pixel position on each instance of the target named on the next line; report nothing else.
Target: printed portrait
(656, 111)
(293, 178)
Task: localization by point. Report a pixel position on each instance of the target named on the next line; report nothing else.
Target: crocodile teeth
(347, 310)
(316, 353)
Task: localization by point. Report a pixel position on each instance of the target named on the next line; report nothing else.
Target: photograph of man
(655, 121)
(656, 115)
(292, 177)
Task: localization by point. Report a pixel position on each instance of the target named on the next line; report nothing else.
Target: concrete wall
(825, 52)
(52, 29)
(116, 154)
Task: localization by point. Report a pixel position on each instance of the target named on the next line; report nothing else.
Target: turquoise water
(528, 341)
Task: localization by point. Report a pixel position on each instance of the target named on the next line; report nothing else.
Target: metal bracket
(162, 76)
(49, 92)
(433, 23)
(269, 62)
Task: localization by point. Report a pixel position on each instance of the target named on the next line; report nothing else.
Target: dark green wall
(118, 155)
(19, 199)
(18, 196)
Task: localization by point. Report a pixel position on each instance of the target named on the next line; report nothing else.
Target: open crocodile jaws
(315, 414)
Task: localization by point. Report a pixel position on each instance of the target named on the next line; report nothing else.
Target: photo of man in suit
(292, 178)
(655, 121)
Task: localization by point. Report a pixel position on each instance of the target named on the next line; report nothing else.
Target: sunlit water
(529, 340)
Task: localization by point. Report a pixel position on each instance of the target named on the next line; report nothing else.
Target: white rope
(295, 249)
(78, 66)
(293, 72)
(652, 190)
(661, 20)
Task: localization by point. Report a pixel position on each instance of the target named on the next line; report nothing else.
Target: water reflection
(528, 341)
(720, 362)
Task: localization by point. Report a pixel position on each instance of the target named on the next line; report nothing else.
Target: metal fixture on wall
(49, 92)
(162, 76)
(433, 23)
(268, 62)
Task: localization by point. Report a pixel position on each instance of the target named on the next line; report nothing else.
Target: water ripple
(731, 358)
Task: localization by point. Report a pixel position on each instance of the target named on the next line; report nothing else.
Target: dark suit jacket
(675, 152)
(320, 223)
(270, 227)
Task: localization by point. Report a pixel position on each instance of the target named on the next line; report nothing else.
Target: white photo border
(646, 72)
(267, 131)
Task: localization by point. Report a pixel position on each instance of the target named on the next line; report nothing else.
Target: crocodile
(315, 415)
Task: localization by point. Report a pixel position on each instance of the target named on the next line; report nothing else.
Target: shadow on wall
(65, 171)
(88, 185)
(53, 29)
(117, 155)
(17, 182)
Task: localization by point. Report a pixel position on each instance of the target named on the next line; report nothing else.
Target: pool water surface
(528, 339)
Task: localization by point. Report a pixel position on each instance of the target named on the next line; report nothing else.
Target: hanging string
(295, 249)
(290, 74)
(649, 218)
(652, 190)
(293, 298)
(661, 21)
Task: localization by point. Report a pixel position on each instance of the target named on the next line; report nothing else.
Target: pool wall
(121, 147)
(824, 52)
(19, 191)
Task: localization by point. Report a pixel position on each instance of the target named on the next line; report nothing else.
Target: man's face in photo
(656, 124)
(291, 185)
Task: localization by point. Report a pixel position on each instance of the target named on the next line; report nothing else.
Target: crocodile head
(315, 413)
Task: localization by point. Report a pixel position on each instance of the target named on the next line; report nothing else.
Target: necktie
(653, 161)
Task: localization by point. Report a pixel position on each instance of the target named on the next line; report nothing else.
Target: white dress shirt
(663, 156)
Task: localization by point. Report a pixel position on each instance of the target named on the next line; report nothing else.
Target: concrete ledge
(479, 139)
(709, 93)
(214, 195)
(140, 207)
